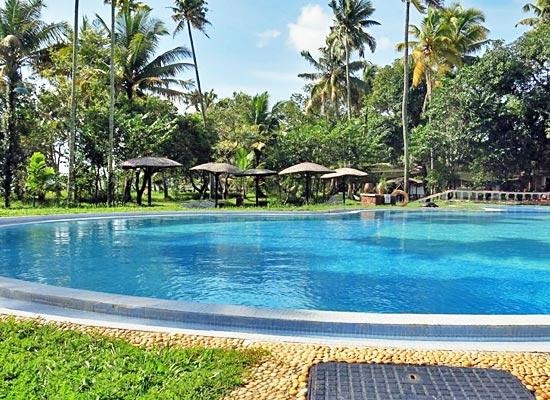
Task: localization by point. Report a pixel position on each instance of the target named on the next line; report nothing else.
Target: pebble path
(282, 373)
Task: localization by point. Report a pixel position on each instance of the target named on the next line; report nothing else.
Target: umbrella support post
(149, 181)
(307, 188)
(216, 180)
(257, 190)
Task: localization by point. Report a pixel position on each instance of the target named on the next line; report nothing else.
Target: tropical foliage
(481, 116)
(24, 41)
(351, 19)
(444, 41)
(541, 9)
(39, 176)
(193, 14)
(141, 68)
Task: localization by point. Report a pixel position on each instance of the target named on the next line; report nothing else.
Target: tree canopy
(478, 111)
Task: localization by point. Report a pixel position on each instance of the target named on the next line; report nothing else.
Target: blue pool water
(447, 262)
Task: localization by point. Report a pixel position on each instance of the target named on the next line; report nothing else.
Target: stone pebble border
(282, 373)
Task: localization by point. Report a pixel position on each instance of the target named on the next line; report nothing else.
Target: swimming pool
(431, 262)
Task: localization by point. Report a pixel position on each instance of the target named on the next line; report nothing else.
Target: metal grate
(343, 381)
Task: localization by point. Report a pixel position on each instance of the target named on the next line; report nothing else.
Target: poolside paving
(283, 372)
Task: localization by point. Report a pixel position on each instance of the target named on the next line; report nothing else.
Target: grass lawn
(43, 362)
(161, 204)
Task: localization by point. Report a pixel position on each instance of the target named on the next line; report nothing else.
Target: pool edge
(290, 323)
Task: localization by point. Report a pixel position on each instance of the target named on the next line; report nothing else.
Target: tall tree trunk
(111, 108)
(348, 90)
(348, 84)
(404, 107)
(10, 136)
(72, 134)
(201, 99)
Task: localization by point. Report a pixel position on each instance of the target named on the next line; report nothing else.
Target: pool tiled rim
(285, 323)
(292, 323)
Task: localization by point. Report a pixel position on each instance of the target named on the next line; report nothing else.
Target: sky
(254, 45)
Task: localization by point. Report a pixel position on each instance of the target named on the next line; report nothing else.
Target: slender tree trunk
(348, 85)
(11, 140)
(348, 94)
(429, 90)
(201, 99)
(111, 108)
(404, 108)
(72, 135)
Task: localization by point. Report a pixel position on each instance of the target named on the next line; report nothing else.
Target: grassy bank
(45, 362)
(161, 204)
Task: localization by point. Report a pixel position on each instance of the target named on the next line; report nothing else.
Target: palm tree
(420, 6)
(468, 33)
(131, 5)
(24, 41)
(352, 17)
(541, 8)
(141, 70)
(445, 40)
(433, 51)
(125, 6)
(192, 12)
(193, 98)
(327, 88)
(112, 93)
(330, 81)
(72, 135)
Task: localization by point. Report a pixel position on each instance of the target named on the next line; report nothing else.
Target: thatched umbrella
(344, 173)
(257, 173)
(307, 168)
(217, 169)
(150, 165)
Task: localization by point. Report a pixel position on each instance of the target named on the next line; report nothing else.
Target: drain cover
(343, 381)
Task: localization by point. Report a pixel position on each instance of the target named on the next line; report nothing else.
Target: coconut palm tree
(193, 98)
(126, 6)
(445, 40)
(141, 70)
(24, 41)
(130, 5)
(433, 51)
(351, 18)
(541, 8)
(420, 6)
(329, 86)
(192, 13)
(468, 35)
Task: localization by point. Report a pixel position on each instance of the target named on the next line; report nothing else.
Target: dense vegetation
(487, 117)
(44, 362)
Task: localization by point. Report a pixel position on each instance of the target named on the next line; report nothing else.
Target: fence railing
(489, 196)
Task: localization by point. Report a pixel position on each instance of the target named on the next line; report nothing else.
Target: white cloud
(383, 43)
(311, 29)
(265, 37)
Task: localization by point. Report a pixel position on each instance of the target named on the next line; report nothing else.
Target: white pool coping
(477, 332)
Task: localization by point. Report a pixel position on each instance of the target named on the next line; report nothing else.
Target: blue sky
(255, 45)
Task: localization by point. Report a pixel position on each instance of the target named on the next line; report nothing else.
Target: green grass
(160, 204)
(42, 362)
